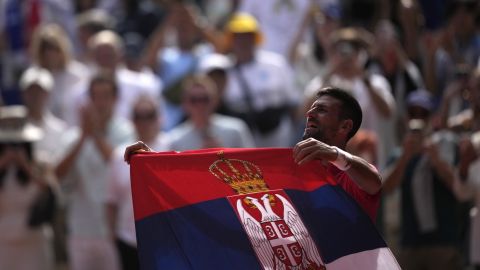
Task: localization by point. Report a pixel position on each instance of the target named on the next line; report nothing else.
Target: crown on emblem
(243, 176)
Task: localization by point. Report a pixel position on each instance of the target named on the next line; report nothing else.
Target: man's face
(199, 102)
(105, 56)
(103, 98)
(323, 120)
(35, 98)
(146, 119)
(243, 44)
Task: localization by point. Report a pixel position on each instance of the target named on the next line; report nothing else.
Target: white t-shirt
(86, 182)
(119, 191)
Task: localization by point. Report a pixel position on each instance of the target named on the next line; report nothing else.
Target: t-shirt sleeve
(368, 202)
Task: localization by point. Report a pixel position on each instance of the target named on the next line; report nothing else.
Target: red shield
(283, 242)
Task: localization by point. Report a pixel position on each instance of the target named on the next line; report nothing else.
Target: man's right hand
(134, 149)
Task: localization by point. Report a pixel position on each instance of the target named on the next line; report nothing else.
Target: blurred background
(81, 79)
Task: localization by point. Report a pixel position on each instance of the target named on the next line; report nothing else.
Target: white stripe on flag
(381, 258)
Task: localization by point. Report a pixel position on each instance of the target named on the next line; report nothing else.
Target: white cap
(36, 76)
(213, 61)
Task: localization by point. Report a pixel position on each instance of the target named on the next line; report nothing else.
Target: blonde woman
(52, 50)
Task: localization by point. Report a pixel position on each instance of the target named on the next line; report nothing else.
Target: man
(147, 121)
(37, 84)
(423, 171)
(260, 86)
(107, 51)
(332, 120)
(83, 166)
(204, 128)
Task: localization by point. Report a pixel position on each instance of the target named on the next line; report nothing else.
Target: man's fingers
(305, 143)
(309, 157)
(135, 148)
(305, 151)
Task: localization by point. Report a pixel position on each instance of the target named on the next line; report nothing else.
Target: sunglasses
(203, 99)
(149, 116)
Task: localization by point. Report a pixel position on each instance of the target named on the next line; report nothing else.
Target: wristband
(343, 161)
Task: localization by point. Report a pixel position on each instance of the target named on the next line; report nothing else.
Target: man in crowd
(83, 168)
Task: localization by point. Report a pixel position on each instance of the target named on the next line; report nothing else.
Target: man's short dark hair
(350, 108)
(103, 77)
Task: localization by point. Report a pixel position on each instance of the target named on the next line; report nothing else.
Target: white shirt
(270, 81)
(86, 182)
(68, 92)
(279, 21)
(53, 128)
(465, 191)
(119, 191)
(228, 131)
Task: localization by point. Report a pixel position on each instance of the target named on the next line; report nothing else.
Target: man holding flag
(268, 211)
(332, 120)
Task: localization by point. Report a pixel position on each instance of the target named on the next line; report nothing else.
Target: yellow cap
(243, 23)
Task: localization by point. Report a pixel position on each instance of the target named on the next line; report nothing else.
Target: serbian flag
(248, 209)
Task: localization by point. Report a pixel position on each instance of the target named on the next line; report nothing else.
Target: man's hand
(311, 149)
(134, 149)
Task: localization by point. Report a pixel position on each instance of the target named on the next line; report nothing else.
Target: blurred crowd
(81, 79)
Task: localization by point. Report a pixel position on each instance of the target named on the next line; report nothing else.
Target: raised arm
(362, 173)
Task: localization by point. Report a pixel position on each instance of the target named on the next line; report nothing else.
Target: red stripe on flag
(169, 180)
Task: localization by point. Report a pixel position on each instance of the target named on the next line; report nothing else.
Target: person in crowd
(147, 121)
(204, 128)
(467, 185)
(467, 188)
(173, 52)
(260, 86)
(23, 244)
(283, 23)
(51, 49)
(107, 51)
(456, 98)
(346, 69)
(36, 84)
(458, 43)
(391, 61)
(215, 66)
(465, 120)
(83, 168)
(89, 22)
(311, 56)
(423, 170)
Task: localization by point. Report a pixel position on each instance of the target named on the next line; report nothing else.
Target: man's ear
(346, 126)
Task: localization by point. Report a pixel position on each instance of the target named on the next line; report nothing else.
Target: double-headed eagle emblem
(276, 231)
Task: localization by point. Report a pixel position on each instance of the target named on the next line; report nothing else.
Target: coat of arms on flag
(248, 209)
(276, 231)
